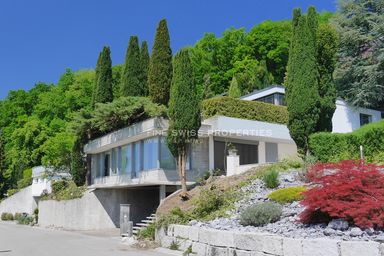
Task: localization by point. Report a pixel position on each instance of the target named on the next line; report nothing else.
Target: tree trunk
(183, 177)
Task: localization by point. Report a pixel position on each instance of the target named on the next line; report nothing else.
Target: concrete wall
(98, 209)
(347, 118)
(21, 202)
(227, 243)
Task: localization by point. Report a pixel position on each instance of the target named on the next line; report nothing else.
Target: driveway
(19, 240)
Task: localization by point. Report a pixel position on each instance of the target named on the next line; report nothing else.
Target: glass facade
(133, 158)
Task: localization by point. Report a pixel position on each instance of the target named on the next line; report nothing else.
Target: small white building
(346, 118)
(42, 178)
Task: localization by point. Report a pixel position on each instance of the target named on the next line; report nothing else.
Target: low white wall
(216, 242)
(21, 202)
(86, 213)
(98, 209)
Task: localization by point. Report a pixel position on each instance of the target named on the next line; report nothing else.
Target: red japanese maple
(350, 190)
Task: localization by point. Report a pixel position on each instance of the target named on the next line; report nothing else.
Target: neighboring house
(136, 163)
(42, 178)
(345, 119)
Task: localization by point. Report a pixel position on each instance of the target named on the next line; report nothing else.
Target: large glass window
(137, 158)
(115, 161)
(95, 166)
(167, 161)
(150, 153)
(126, 159)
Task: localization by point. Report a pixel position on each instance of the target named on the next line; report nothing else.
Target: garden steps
(144, 223)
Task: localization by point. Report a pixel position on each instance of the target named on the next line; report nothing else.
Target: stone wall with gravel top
(212, 242)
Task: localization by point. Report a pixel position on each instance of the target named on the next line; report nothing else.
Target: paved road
(18, 240)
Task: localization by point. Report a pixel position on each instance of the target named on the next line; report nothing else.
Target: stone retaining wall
(226, 243)
(21, 202)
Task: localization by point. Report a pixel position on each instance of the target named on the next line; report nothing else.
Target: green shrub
(12, 191)
(6, 216)
(251, 110)
(334, 147)
(25, 220)
(26, 180)
(174, 245)
(58, 186)
(36, 214)
(271, 178)
(287, 195)
(212, 202)
(175, 216)
(147, 232)
(261, 214)
(18, 215)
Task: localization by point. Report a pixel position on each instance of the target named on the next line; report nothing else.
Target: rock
(193, 222)
(329, 231)
(356, 232)
(370, 231)
(338, 224)
(380, 239)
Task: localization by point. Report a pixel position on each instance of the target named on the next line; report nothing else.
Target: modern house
(135, 165)
(345, 119)
(42, 178)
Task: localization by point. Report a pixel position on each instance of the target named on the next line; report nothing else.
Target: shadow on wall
(143, 201)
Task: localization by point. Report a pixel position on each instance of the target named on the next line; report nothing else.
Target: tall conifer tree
(184, 112)
(160, 66)
(144, 65)
(103, 79)
(130, 80)
(302, 95)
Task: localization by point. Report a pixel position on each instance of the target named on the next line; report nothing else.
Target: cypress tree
(130, 81)
(144, 64)
(160, 66)
(327, 45)
(184, 112)
(234, 90)
(302, 83)
(103, 78)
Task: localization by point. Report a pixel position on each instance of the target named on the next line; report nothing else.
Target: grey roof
(264, 89)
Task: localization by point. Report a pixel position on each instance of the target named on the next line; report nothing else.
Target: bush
(334, 147)
(25, 220)
(147, 232)
(349, 190)
(58, 186)
(271, 178)
(6, 216)
(18, 215)
(251, 110)
(261, 214)
(287, 195)
(212, 202)
(175, 216)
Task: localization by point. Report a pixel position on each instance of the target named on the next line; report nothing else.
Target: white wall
(286, 151)
(347, 118)
(20, 202)
(39, 185)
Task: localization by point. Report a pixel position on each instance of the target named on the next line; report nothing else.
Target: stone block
(184, 244)
(292, 247)
(248, 241)
(320, 247)
(167, 241)
(234, 252)
(216, 251)
(194, 233)
(170, 230)
(181, 231)
(216, 237)
(199, 248)
(359, 248)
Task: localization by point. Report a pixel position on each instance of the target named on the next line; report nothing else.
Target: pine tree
(302, 83)
(160, 66)
(103, 78)
(327, 45)
(184, 112)
(130, 81)
(359, 73)
(144, 64)
(234, 89)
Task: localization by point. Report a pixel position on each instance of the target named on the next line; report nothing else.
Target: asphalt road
(18, 240)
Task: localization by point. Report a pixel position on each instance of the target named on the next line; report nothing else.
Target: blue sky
(41, 38)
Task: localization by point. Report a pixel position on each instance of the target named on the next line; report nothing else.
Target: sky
(41, 38)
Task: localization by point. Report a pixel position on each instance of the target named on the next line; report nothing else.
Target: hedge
(251, 110)
(333, 147)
